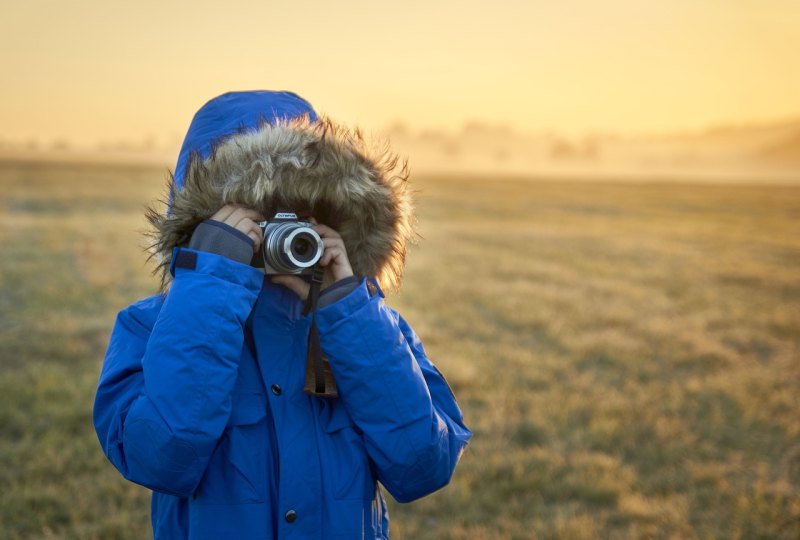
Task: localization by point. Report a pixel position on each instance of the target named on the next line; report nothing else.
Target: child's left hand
(334, 260)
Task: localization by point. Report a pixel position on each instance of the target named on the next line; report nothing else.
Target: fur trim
(311, 168)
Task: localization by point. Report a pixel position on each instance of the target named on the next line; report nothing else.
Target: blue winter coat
(201, 400)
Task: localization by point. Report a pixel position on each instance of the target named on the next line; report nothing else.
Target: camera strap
(319, 377)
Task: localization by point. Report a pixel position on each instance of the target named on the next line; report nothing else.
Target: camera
(290, 246)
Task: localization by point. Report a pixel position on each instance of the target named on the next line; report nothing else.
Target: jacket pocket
(237, 471)
(345, 461)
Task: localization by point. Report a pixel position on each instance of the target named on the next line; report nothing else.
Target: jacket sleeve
(164, 394)
(411, 424)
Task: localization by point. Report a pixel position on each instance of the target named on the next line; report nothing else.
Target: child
(203, 396)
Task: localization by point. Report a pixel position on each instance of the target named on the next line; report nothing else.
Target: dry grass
(626, 354)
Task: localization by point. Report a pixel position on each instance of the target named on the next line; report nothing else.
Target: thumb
(293, 283)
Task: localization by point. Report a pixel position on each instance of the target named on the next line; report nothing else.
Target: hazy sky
(102, 70)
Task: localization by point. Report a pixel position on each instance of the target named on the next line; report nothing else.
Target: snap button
(374, 288)
(290, 516)
(276, 389)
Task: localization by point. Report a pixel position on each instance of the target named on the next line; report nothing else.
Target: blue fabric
(233, 112)
(201, 395)
(186, 409)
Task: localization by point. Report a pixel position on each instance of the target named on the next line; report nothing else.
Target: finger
(251, 229)
(223, 213)
(336, 264)
(243, 213)
(313, 220)
(254, 217)
(334, 250)
(255, 234)
(256, 238)
(333, 243)
(243, 220)
(326, 232)
(331, 254)
(293, 283)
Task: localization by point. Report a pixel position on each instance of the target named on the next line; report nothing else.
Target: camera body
(290, 246)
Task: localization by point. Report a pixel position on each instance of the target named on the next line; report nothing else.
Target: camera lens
(290, 247)
(303, 247)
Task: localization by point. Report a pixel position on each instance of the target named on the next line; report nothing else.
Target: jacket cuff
(332, 314)
(217, 237)
(186, 262)
(337, 291)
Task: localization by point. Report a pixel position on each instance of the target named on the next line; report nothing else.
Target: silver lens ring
(289, 253)
(277, 251)
(273, 256)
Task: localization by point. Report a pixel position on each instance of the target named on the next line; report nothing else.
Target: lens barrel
(291, 247)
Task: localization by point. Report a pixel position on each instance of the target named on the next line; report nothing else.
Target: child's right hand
(244, 219)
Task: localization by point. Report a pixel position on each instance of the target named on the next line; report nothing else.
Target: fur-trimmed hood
(298, 163)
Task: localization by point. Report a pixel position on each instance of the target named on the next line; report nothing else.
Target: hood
(270, 151)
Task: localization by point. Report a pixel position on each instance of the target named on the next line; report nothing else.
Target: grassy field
(627, 355)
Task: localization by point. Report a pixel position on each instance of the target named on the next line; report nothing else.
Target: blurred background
(609, 199)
